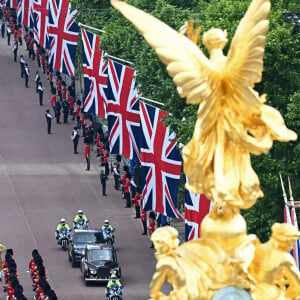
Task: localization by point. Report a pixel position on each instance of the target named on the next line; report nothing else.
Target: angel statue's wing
(190, 69)
(245, 56)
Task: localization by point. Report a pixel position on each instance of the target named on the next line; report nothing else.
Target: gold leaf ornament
(232, 119)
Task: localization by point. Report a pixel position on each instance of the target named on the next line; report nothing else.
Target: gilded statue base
(226, 256)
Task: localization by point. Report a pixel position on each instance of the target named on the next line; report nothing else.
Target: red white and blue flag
(290, 217)
(95, 74)
(160, 161)
(296, 250)
(11, 3)
(293, 219)
(197, 206)
(123, 111)
(25, 12)
(40, 22)
(63, 36)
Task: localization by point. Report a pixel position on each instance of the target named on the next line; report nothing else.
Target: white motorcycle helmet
(62, 221)
(80, 212)
(113, 277)
(106, 222)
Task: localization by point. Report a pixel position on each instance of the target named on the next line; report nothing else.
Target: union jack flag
(160, 161)
(296, 249)
(292, 218)
(40, 18)
(25, 12)
(95, 74)
(123, 113)
(63, 36)
(197, 206)
(11, 3)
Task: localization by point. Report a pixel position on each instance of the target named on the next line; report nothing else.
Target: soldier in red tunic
(87, 154)
(144, 220)
(151, 227)
(136, 203)
(20, 32)
(105, 161)
(127, 191)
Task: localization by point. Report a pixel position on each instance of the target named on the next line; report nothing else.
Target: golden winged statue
(232, 122)
(232, 119)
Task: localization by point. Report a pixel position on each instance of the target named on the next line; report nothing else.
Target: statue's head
(285, 234)
(214, 38)
(165, 239)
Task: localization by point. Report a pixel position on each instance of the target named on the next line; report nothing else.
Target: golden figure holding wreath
(232, 123)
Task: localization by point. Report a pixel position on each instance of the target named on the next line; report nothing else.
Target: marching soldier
(2, 250)
(22, 65)
(15, 50)
(27, 72)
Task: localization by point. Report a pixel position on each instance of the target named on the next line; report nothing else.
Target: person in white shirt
(40, 90)
(22, 65)
(116, 176)
(27, 72)
(49, 120)
(3, 29)
(15, 50)
(37, 79)
(8, 33)
(75, 138)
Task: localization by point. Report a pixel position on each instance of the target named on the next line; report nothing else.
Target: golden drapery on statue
(232, 123)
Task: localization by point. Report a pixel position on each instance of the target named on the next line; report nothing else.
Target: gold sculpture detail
(232, 120)
(232, 123)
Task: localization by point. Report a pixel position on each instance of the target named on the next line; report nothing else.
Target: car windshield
(85, 238)
(100, 254)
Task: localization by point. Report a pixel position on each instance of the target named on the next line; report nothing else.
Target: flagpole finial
(283, 189)
(290, 190)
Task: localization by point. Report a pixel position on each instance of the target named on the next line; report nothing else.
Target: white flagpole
(90, 27)
(283, 191)
(150, 100)
(117, 58)
(291, 193)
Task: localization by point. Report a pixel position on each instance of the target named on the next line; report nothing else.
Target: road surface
(41, 181)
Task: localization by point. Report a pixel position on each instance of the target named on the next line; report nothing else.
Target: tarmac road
(41, 181)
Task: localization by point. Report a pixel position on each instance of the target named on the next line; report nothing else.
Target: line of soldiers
(12, 286)
(39, 279)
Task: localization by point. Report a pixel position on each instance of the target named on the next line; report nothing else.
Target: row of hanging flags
(136, 129)
(54, 28)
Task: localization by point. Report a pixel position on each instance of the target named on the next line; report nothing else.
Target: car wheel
(87, 283)
(73, 262)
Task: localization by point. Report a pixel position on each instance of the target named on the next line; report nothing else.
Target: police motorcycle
(81, 224)
(109, 236)
(64, 238)
(63, 234)
(115, 293)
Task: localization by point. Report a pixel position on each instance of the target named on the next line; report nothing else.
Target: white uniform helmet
(113, 277)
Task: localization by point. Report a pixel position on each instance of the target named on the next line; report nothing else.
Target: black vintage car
(80, 239)
(98, 262)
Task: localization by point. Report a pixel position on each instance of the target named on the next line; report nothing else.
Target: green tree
(280, 81)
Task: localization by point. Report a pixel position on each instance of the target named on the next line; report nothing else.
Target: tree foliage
(281, 80)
